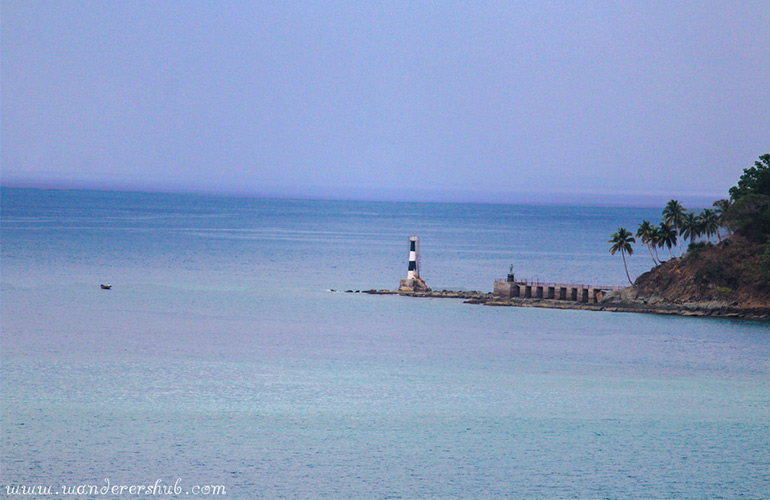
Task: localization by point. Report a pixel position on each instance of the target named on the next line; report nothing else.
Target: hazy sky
(486, 101)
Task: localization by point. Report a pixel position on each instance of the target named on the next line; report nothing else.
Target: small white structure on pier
(413, 281)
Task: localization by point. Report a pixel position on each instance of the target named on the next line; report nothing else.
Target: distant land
(407, 195)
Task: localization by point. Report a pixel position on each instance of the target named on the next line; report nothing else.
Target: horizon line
(388, 195)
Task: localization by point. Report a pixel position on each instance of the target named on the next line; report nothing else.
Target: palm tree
(709, 221)
(721, 207)
(667, 237)
(622, 241)
(673, 214)
(691, 226)
(655, 236)
(644, 233)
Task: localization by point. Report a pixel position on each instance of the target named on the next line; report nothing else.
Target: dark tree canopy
(755, 180)
(750, 216)
(749, 213)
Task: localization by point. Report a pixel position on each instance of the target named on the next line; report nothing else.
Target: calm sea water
(220, 358)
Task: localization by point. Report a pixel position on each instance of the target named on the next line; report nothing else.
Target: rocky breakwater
(469, 296)
(633, 301)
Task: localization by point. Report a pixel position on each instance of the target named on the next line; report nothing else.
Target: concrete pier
(505, 289)
(589, 294)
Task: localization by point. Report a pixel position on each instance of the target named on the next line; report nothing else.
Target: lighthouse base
(413, 285)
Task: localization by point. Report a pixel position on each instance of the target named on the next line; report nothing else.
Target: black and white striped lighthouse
(413, 281)
(414, 270)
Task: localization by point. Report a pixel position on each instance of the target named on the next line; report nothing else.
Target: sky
(614, 102)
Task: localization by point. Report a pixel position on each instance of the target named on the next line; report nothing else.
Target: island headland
(726, 278)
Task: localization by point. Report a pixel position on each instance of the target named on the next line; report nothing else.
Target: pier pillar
(502, 289)
(508, 289)
(505, 289)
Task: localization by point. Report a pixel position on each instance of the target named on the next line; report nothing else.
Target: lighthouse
(413, 281)
(413, 272)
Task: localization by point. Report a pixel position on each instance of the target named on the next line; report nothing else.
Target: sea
(229, 360)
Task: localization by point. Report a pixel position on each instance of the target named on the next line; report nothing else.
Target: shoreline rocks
(442, 294)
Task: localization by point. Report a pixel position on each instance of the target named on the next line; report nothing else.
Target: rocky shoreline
(443, 294)
(621, 301)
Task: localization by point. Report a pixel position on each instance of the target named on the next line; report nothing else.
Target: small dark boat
(106, 287)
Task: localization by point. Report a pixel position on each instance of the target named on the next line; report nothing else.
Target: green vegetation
(755, 180)
(621, 241)
(709, 223)
(667, 237)
(695, 249)
(690, 226)
(720, 209)
(764, 263)
(673, 215)
(647, 233)
(740, 257)
(749, 213)
(749, 216)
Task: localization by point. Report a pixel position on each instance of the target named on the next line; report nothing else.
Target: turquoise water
(219, 357)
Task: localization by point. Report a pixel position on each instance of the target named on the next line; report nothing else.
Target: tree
(750, 217)
(720, 208)
(691, 226)
(667, 237)
(755, 180)
(709, 223)
(621, 241)
(750, 213)
(655, 236)
(645, 233)
(673, 215)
